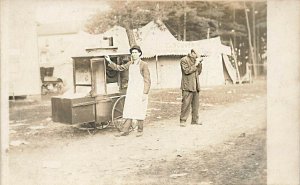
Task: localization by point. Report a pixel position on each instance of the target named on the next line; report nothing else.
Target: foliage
(218, 16)
(202, 18)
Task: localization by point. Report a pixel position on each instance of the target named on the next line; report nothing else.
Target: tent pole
(156, 66)
(208, 30)
(249, 39)
(254, 38)
(235, 62)
(184, 22)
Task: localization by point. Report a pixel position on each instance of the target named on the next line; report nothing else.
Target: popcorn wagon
(98, 95)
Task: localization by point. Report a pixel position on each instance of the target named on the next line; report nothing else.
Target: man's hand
(107, 58)
(198, 61)
(145, 96)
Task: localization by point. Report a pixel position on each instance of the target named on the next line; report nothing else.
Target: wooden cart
(98, 96)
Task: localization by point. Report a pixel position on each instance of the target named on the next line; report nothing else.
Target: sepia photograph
(135, 92)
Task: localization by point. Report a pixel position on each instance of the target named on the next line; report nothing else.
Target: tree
(130, 15)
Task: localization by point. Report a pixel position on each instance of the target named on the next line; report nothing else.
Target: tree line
(240, 24)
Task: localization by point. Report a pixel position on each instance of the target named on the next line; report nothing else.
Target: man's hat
(194, 51)
(137, 48)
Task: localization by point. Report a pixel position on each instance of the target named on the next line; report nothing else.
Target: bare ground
(230, 148)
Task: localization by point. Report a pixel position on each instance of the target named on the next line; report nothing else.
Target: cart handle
(84, 104)
(116, 96)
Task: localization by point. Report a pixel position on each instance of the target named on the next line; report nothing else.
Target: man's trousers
(189, 99)
(128, 124)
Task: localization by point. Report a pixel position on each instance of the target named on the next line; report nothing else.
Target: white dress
(135, 107)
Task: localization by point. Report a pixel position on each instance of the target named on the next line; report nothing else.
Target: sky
(48, 11)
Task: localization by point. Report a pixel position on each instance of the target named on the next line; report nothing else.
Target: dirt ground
(229, 148)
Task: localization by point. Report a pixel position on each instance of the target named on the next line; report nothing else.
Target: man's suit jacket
(190, 74)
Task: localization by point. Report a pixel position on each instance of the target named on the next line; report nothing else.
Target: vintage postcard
(102, 92)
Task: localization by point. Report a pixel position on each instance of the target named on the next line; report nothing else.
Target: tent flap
(230, 69)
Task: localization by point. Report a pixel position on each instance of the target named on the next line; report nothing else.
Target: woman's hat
(137, 48)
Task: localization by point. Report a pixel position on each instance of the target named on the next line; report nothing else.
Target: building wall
(54, 48)
(57, 51)
(24, 74)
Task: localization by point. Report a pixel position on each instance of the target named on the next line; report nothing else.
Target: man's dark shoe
(121, 134)
(139, 134)
(182, 123)
(197, 123)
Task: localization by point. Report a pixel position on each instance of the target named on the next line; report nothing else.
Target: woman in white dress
(139, 83)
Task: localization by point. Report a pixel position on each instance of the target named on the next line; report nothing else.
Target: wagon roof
(102, 54)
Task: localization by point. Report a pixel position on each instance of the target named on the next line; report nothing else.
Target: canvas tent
(153, 38)
(163, 52)
(215, 66)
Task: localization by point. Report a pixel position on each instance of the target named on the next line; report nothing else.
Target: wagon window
(82, 75)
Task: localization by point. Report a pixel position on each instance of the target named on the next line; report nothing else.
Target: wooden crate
(73, 110)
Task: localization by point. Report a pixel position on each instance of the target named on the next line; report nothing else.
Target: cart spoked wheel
(117, 113)
(90, 127)
(102, 125)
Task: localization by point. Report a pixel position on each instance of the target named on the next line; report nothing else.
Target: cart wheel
(102, 125)
(117, 113)
(90, 127)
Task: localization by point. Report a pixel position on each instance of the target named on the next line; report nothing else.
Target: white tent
(163, 52)
(152, 38)
(214, 65)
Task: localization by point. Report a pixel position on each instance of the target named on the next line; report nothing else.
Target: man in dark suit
(191, 68)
